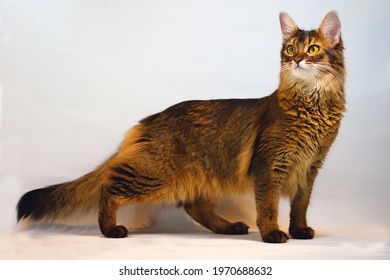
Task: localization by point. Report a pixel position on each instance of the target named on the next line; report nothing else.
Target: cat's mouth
(300, 65)
(301, 70)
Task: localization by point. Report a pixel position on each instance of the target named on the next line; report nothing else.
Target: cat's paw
(116, 232)
(233, 228)
(302, 233)
(275, 236)
(238, 228)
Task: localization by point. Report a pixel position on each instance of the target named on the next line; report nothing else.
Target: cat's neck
(312, 95)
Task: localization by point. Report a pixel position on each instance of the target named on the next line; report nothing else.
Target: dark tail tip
(32, 204)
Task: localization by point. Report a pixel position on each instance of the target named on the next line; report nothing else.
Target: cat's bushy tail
(63, 200)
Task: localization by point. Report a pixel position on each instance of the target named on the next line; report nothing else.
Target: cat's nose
(298, 58)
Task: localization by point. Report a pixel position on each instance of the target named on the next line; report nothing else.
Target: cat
(196, 152)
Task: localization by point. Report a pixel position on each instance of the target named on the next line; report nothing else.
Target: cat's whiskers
(329, 81)
(327, 69)
(284, 68)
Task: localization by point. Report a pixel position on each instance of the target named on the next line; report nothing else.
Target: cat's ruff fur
(196, 152)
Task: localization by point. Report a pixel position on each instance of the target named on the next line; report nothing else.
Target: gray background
(76, 75)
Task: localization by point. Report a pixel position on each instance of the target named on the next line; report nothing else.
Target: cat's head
(312, 58)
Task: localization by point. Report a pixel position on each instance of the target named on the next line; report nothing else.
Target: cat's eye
(290, 49)
(313, 49)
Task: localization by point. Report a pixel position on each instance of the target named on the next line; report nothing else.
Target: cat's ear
(288, 26)
(331, 28)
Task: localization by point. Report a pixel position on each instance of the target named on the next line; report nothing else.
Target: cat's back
(209, 114)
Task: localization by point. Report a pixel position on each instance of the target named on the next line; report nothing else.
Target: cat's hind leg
(108, 206)
(202, 211)
(127, 185)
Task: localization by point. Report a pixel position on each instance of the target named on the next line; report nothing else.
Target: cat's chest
(307, 129)
(297, 141)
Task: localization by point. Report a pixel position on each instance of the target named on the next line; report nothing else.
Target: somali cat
(196, 152)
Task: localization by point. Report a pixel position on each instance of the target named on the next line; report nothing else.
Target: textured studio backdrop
(76, 75)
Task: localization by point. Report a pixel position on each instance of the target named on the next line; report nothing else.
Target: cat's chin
(302, 74)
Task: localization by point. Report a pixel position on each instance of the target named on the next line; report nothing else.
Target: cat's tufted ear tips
(288, 26)
(330, 28)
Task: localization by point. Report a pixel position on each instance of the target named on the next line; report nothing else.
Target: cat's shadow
(189, 232)
(197, 233)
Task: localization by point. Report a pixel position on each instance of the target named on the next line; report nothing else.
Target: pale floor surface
(62, 242)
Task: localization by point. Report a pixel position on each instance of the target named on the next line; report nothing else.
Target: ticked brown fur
(197, 152)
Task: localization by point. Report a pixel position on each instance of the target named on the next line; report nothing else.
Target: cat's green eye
(290, 49)
(313, 49)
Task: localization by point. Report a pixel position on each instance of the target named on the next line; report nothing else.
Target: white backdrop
(76, 75)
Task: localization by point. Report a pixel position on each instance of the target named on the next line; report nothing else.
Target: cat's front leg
(298, 228)
(267, 205)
